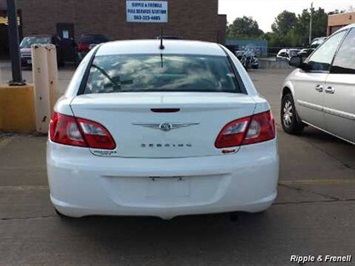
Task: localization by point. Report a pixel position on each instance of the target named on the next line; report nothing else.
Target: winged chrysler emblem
(165, 126)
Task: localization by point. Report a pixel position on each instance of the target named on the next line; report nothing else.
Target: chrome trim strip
(165, 126)
(327, 110)
(310, 105)
(341, 114)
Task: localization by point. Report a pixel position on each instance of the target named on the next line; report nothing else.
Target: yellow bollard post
(41, 85)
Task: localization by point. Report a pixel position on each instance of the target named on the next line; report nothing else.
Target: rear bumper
(82, 184)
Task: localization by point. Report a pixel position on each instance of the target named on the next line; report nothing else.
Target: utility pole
(14, 44)
(310, 24)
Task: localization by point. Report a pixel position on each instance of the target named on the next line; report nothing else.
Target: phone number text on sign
(147, 11)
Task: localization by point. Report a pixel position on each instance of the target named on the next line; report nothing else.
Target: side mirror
(296, 61)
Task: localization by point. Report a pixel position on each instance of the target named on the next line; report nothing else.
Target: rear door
(339, 97)
(310, 84)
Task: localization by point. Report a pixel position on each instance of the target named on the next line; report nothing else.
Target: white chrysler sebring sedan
(161, 129)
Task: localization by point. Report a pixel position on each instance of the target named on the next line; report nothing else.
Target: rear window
(143, 73)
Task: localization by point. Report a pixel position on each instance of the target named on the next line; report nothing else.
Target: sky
(265, 11)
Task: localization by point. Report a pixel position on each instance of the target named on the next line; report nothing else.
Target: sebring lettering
(165, 145)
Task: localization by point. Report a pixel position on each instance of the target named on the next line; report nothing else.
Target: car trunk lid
(163, 125)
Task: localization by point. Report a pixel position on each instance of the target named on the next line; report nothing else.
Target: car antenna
(161, 47)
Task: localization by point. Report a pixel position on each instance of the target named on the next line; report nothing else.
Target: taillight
(96, 135)
(83, 47)
(261, 128)
(233, 133)
(69, 130)
(247, 130)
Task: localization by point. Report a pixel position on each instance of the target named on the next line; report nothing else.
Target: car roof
(288, 49)
(39, 36)
(92, 34)
(352, 25)
(319, 38)
(168, 37)
(152, 47)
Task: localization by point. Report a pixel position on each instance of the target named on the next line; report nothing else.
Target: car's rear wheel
(290, 121)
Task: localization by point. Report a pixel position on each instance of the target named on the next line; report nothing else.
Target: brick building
(197, 19)
(337, 21)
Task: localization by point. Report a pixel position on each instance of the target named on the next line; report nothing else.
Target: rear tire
(290, 121)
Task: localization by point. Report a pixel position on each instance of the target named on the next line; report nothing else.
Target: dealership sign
(147, 11)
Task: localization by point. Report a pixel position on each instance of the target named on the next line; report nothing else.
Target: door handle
(319, 88)
(330, 90)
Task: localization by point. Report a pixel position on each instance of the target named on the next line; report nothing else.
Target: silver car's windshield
(139, 73)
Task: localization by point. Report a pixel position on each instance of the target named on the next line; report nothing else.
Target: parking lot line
(321, 182)
(22, 188)
(4, 142)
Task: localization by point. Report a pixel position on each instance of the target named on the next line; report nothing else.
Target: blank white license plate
(168, 187)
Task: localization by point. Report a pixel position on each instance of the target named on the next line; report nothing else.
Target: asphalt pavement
(313, 215)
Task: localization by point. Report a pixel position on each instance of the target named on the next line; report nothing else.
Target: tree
(319, 25)
(302, 27)
(320, 21)
(291, 31)
(244, 27)
(284, 22)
